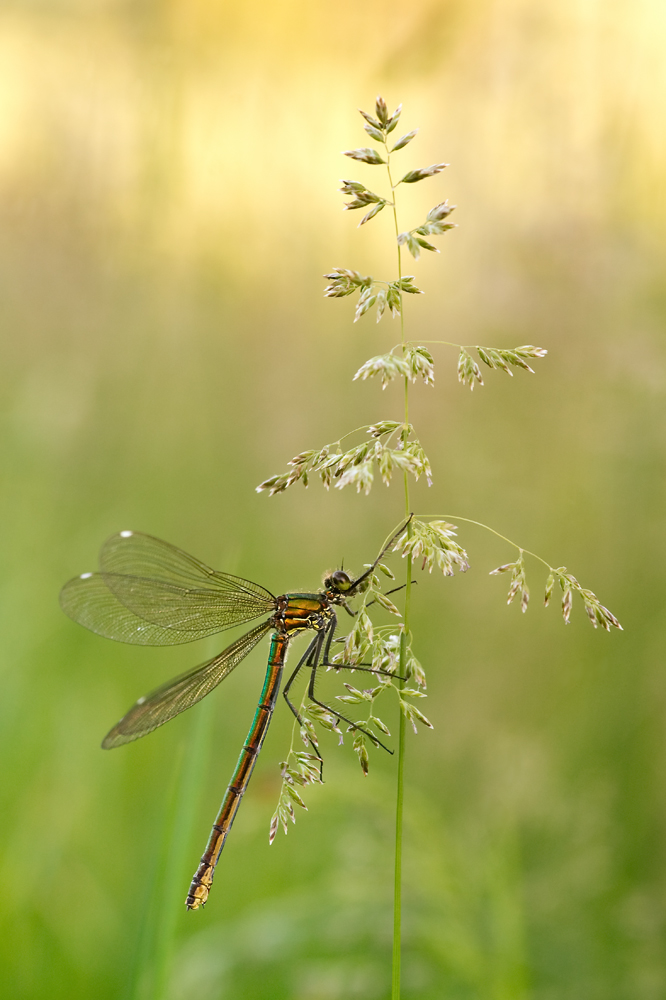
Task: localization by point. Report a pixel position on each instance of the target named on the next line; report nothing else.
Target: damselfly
(151, 593)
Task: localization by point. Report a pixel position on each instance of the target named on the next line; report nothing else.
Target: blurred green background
(168, 205)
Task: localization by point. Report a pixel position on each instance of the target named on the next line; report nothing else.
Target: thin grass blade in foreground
(158, 937)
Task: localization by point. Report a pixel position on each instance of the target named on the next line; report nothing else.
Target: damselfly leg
(314, 660)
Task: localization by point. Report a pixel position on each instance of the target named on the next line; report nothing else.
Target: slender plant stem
(144, 974)
(159, 940)
(397, 884)
(190, 787)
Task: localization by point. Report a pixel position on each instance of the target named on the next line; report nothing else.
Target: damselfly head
(338, 581)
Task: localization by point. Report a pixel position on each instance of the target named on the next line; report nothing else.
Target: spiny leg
(310, 656)
(334, 711)
(365, 667)
(350, 722)
(392, 591)
(305, 659)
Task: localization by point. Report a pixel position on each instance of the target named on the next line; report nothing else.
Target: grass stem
(397, 882)
(170, 878)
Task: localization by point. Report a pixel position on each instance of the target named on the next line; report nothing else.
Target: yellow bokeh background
(168, 201)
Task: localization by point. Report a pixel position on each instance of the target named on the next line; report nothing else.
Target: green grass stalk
(397, 881)
(169, 888)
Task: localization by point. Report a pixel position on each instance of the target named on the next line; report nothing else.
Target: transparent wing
(151, 593)
(88, 601)
(131, 553)
(182, 692)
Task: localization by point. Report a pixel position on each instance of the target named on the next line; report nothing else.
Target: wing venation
(151, 593)
(132, 553)
(182, 692)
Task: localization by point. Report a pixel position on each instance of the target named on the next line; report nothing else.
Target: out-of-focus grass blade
(169, 883)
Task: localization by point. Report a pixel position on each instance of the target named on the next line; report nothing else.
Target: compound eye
(339, 580)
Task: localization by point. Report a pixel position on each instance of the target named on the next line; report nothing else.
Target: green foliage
(468, 370)
(495, 357)
(518, 583)
(299, 769)
(434, 543)
(403, 140)
(361, 199)
(371, 290)
(365, 155)
(357, 465)
(499, 357)
(433, 226)
(416, 362)
(412, 176)
(596, 612)
(344, 282)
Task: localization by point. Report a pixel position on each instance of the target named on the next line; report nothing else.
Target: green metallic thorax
(303, 612)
